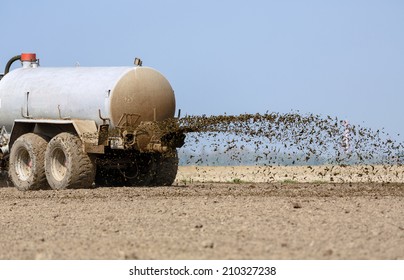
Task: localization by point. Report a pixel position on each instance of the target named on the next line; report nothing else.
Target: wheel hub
(58, 168)
(23, 165)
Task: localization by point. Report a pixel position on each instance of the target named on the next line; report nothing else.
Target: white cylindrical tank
(83, 92)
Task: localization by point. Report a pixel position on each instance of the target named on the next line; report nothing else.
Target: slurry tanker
(75, 127)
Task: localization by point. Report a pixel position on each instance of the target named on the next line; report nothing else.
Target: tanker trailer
(73, 127)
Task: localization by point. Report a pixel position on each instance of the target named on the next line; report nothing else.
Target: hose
(11, 61)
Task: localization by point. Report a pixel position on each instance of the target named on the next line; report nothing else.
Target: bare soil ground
(279, 220)
(302, 174)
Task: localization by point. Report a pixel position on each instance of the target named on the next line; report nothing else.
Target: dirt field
(301, 174)
(277, 220)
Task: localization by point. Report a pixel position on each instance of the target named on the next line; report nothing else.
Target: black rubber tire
(144, 169)
(141, 172)
(155, 170)
(67, 166)
(26, 163)
(118, 168)
(165, 169)
(108, 177)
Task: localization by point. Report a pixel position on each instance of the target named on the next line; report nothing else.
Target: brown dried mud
(206, 221)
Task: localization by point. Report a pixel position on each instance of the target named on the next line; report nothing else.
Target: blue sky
(340, 58)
